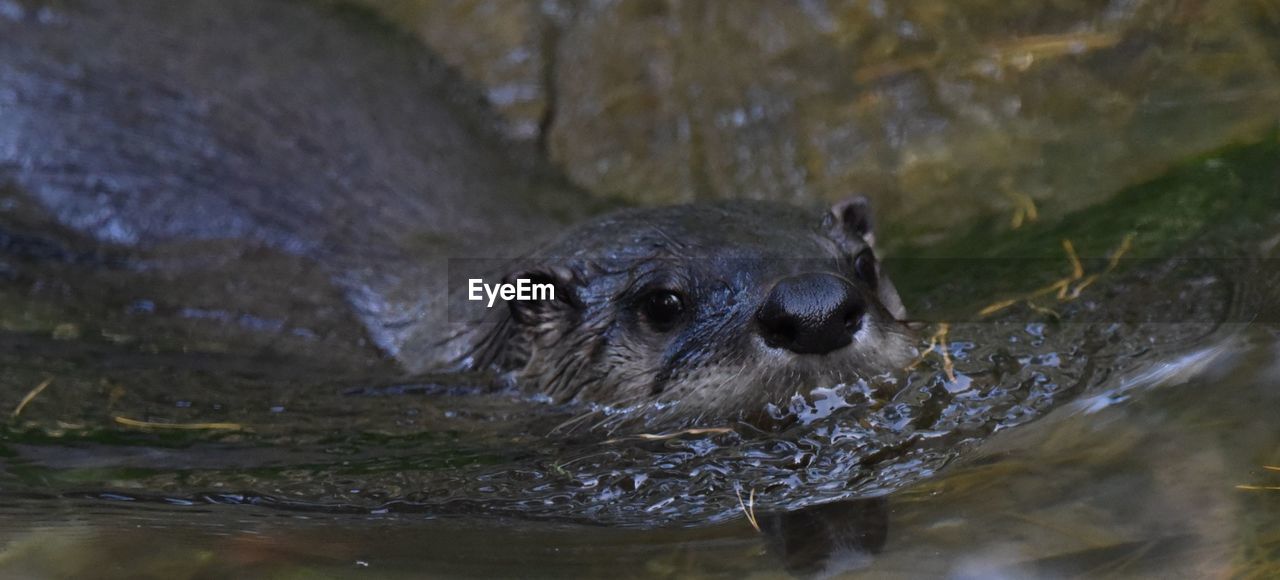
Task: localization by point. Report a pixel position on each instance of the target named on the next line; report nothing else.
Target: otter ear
(552, 293)
(852, 217)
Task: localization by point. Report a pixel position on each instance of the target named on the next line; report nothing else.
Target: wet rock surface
(980, 106)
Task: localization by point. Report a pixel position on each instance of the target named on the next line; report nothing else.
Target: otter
(314, 132)
(703, 311)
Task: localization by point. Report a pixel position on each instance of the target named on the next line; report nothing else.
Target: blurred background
(943, 112)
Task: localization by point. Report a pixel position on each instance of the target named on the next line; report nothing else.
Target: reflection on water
(1157, 482)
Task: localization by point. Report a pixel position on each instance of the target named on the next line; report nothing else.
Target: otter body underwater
(287, 127)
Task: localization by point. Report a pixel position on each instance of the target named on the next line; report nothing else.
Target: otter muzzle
(811, 313)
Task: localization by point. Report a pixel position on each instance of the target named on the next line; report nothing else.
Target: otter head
(707, 312)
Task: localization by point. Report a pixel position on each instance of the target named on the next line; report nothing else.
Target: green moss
(1213, 200)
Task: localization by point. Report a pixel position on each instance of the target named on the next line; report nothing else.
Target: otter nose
(811, 313)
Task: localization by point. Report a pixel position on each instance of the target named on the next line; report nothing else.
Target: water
(1124, 426)
(1141, 479)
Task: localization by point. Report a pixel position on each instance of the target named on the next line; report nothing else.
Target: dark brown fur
(591, 344)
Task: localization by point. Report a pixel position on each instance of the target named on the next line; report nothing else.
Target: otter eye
(662, 308)
(864, 266)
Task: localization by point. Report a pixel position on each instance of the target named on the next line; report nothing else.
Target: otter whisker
(574, 421)
(672, 435)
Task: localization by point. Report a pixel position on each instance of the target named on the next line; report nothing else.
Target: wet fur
(590, 346)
